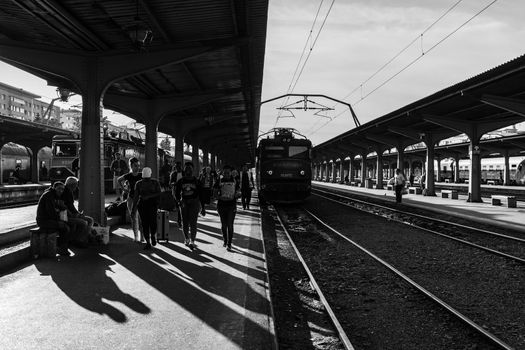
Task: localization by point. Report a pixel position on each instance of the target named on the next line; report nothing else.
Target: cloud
(361, 36)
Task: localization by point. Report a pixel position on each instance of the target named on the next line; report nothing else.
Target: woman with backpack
(227, 193)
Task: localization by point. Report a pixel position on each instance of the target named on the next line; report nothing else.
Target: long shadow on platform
(83, 279)
(191, 290)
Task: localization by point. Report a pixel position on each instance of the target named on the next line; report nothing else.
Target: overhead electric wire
(299, 63)
(411, 62)
(290, 87)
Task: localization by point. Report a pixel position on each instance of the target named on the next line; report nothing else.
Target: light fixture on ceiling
(63, 93)
(139, 32)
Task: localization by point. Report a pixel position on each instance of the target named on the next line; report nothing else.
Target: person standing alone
(118, 168)
(398, 181)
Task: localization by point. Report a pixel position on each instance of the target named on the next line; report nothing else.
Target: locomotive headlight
(301, 172)
(269, 172)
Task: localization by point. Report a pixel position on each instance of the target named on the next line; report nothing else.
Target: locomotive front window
(65, 150)
(274, 152)
(298, 152)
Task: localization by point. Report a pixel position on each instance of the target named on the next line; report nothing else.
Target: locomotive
(283, 167)
(14, 155)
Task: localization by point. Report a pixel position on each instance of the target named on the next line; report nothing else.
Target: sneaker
(203, 212)
(153, 240)
(147, 246)
(186, 242)
(64, 252)
(224, 244)
(229, 248)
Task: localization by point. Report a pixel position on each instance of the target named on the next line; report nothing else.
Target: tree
(166, 143)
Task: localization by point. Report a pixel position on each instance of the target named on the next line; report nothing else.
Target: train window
(273, 152)
(65, 150)
(298, 151)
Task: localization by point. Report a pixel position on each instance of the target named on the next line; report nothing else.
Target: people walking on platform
(398, 181)
(48, 217)
(118, 168)
(176, 175)
(206, 181)
(79, 223)
(227, 194)
(187, 193)
(247, 186)
(127, 182)
(411, 179)
(164, 174)
(146, 200)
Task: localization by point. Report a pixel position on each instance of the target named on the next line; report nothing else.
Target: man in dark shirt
(47, 215)
(246, 187)
(164, 174)
(118, 168)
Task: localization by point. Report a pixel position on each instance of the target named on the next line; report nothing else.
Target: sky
(356, 40)
(360, 36)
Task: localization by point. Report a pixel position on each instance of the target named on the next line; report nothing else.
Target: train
(284, 166)
(492, 170)
(15, 156)
(65, 149)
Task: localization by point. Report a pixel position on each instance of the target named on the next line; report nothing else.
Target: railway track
(507, 245)
(378, 310)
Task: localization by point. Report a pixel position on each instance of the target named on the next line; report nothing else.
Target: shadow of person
(85, 280)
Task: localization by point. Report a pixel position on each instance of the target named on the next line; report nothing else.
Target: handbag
(102, 234)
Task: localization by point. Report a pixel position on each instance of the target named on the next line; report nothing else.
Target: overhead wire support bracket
(305, 100)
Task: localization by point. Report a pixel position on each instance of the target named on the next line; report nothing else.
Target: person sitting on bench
(48, 217)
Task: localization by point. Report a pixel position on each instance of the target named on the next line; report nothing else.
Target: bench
(452, 194)
(415, 190)
(43, 242)
(497, 199)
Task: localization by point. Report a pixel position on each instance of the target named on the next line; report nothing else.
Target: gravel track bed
(485, 240)
(300, 318)
(486, 288)
(452, 218)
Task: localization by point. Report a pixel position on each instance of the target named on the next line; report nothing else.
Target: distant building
(21, 104)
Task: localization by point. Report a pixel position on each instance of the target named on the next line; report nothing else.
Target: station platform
(122, 297)
(485, 212)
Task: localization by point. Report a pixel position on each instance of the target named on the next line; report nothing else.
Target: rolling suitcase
(163, 225)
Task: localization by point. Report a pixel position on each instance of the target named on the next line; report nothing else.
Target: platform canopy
(199, 62)
(489, 101)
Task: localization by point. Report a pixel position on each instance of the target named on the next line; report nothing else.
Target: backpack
(117, 209)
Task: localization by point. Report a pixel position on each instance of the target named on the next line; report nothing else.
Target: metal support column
(363, 170)
(506, 174)
(379, 166)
